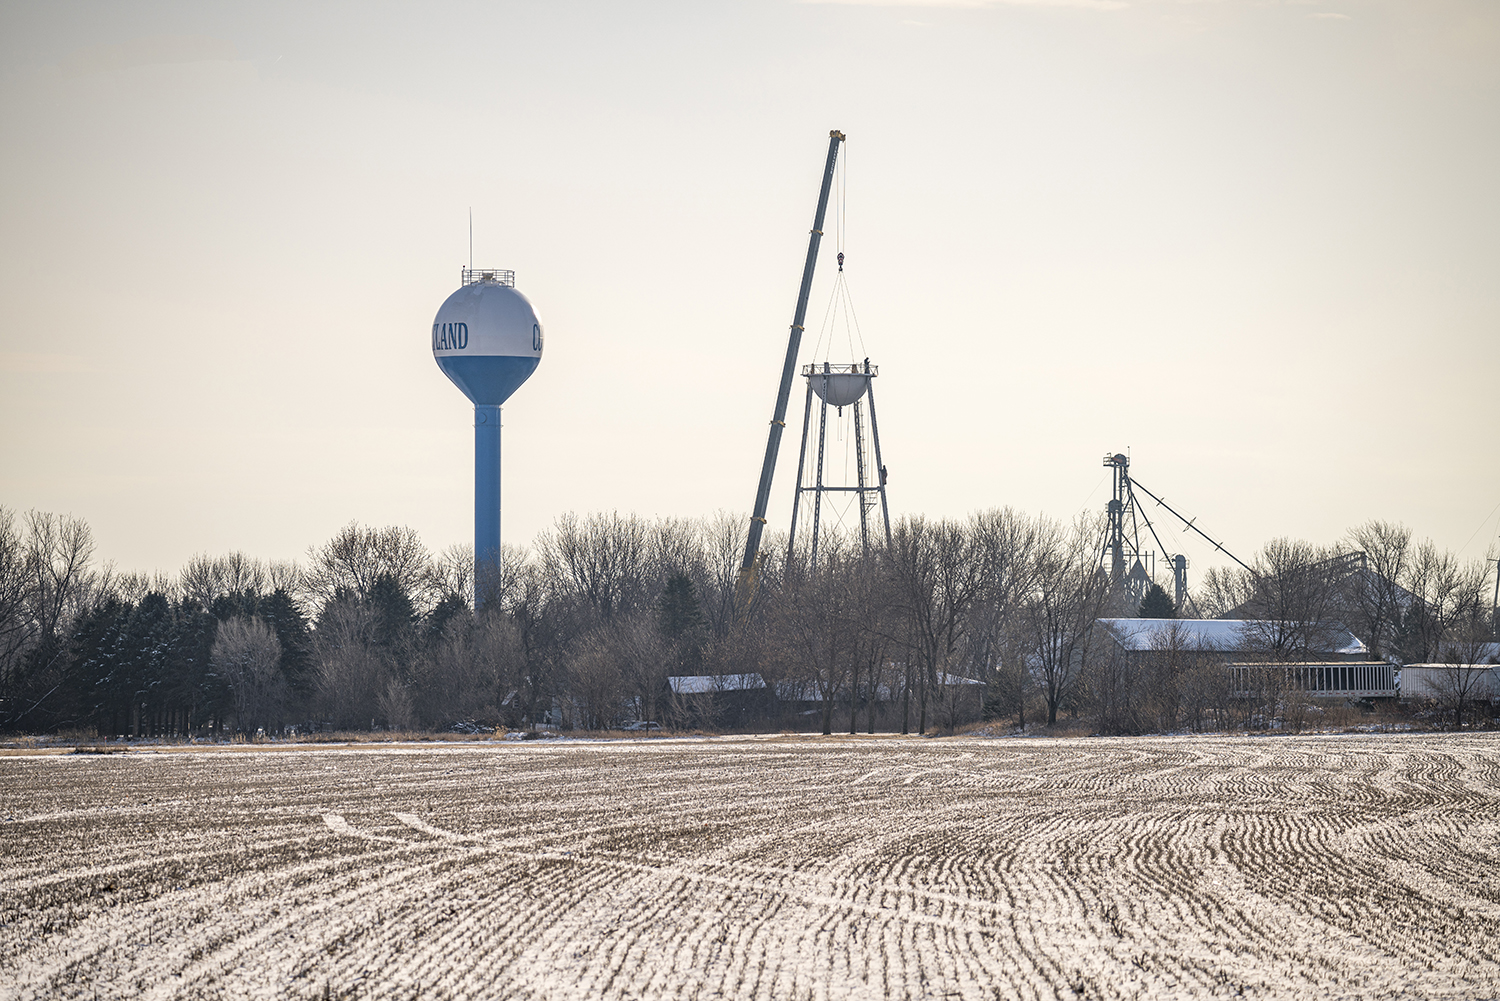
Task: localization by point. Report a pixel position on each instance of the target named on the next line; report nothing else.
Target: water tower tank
(839, 385)
(488, 340)
(486, 337)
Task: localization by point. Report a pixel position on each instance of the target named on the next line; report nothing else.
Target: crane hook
(841, 260)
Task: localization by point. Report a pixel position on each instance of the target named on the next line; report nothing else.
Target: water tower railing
(826, 368)
(473, 276)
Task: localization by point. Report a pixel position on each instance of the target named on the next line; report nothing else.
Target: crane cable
(840, 301)
(840, 306)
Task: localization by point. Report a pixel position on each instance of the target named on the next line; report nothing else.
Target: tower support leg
(818, 489)
(859, 465)
(791, 539)
(885, 511)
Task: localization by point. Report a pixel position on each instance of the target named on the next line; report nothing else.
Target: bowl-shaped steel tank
(839, 385)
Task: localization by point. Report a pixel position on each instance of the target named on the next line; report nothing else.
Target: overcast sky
(1256, 244)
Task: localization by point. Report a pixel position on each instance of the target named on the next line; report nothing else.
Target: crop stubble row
(1329, 867)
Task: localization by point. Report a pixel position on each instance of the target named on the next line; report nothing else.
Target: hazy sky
(1256, 244)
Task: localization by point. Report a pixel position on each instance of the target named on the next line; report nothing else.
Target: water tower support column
(486, 500)
(791, 539)
(885, 511)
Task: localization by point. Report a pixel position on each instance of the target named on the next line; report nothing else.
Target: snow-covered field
(777, 868)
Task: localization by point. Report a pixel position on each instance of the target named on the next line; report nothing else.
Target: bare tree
(132, 587)
(17, 628)
(284, 575)
(466, 673)
(871, 604)
(1292, 610)
(596, 684)
(1068, 594)
(1011, 682)
(604, 561)
(358, 556)
(1375, 600)
(676, 548)
(59, 549)
(1118, 688)
(1464, 679)
(813, 615)
(640, 649)
(1203, 688)
(1224, 591)
(247, 655)
(47, 580)
(1005, 543)
(205, 578)
(350, 668)
(453, 570)
(396, 705)
(723, 543)
(938, 576)
(1442, 593)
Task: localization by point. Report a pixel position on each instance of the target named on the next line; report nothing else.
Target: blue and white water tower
(488, 340)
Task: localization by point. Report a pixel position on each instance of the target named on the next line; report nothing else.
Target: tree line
(995, 616)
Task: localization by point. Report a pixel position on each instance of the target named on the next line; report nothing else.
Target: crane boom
(746, 583)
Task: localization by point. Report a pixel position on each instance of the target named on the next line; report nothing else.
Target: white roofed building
(1228, 636)
(705, 684)
(720, 700)
(1335, 663)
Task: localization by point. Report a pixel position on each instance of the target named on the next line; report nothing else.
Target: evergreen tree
(435, 622)
(680, 614)
(44, 693)
(226, 606)
(1157, 604)
(197, 693)
(98, 670)
(393, 608)
(681, 622)
(144, 657)
(284, 615)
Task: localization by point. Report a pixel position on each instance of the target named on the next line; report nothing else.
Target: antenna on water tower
(487, 339)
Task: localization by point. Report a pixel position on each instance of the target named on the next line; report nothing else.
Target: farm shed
(1340, 670)
(1230, 636)
(704, 684)
(720, 699)
(807, 691)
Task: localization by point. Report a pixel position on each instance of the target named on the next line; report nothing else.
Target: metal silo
(487, 339)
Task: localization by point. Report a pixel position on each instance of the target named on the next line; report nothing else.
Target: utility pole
(1495, 605)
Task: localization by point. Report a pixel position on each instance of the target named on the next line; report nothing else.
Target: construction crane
(750, 567)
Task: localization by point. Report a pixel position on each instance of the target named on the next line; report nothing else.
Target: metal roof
(703, 684)
(1229, 635)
